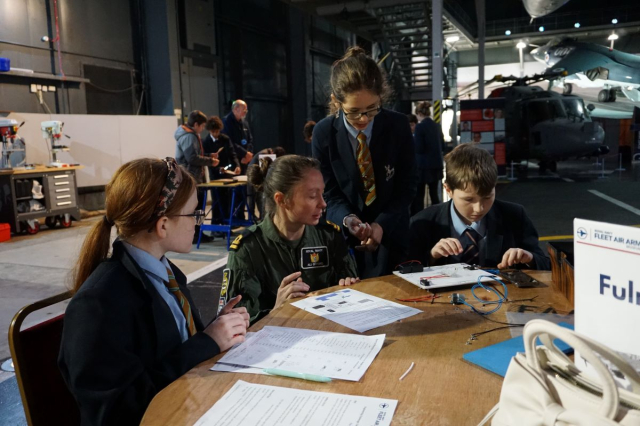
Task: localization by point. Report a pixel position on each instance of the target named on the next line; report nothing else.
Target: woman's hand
(374, 240)
(349, 281)
(357, 228)
(291, 287)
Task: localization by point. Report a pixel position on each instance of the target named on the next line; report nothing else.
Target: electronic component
(409, 268)
(457, 299)
(520, 279)
(425, 282)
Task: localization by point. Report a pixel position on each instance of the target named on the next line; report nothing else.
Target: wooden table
(442, 389)
(238, 189)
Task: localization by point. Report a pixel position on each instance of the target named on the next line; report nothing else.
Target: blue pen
(293, 374)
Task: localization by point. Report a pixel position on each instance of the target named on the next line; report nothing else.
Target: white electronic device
(438, 277)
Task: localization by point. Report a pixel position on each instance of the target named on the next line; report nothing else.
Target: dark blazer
(429, 142)
(227, 155)
(238, 131)
(508, 226)
(120, 344)
(394, 165)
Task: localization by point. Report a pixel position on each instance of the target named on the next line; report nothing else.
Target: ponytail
(94, 250)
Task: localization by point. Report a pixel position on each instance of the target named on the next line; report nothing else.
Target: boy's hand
(375, 239)
(514, 256)
(446, 247)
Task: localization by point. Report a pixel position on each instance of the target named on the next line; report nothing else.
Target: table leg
(204, 207)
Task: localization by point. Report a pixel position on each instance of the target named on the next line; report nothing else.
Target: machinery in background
(523, 122)
(591, 65)
(12, 144)
(539, 8)
(52, 132)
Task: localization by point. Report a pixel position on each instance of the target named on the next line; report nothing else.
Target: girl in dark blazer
(132, 327)
(368, 163)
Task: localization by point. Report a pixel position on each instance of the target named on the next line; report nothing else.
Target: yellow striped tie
(174, 288)
(366, 168)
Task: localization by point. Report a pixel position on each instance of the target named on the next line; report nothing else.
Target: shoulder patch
(336, 227)
(235, 244)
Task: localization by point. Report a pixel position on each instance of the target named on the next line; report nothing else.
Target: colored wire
(501, 297)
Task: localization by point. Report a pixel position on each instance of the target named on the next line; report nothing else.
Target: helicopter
(533, 123)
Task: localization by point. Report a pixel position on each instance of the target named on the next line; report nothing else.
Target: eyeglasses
(198, 215)
(355, 116)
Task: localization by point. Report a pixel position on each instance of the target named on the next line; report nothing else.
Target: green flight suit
(260, 258)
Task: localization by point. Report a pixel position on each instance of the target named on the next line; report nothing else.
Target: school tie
(471, 252)
(366, 168)
(174, 289)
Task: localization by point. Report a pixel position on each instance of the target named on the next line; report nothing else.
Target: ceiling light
(521, 45)
(613, 37)
(577, 25)
(541, 29)
(629, 77)
(508, 32)
(614, 21)
(452, 39)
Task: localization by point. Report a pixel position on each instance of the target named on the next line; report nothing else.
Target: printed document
(336, 355)
(248, 404)
(356, 310)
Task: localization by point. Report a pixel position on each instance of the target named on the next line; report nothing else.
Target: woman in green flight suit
(294, 250)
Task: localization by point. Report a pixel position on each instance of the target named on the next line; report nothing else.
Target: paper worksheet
(445, 276)
(356, 310)
(249, 404)
(336, 355)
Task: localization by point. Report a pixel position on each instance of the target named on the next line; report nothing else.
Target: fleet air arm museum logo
(582, 233)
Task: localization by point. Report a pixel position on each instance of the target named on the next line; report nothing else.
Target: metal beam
(355, 6)
(437, 42)
(480, 12)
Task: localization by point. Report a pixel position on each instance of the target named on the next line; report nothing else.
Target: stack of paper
(248, 404)
(335, 355)
(356, 310)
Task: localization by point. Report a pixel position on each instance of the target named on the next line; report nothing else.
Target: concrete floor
(36, 267)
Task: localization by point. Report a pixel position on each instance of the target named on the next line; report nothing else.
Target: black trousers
(418, 203)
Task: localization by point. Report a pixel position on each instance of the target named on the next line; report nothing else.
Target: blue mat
(496, 358)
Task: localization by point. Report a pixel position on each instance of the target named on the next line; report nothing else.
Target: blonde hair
(424, 108)
(131, 199)
(467, 165)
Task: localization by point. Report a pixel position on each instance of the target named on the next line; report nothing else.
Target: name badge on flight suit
(314, 257)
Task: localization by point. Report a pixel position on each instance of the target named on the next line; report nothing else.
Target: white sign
(607, 285)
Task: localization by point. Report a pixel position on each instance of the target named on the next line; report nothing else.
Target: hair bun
(256, 174)
(355, 51)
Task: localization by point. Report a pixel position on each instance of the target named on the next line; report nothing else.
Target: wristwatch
(344, 221)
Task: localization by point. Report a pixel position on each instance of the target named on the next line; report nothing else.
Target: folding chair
(45, 397)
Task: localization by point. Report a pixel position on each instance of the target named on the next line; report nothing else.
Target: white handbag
(543, 387)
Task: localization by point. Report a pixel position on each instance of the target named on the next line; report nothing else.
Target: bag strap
(548, 331)
(620, 363)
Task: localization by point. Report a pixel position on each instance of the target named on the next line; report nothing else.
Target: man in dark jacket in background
(428, 142)
(191, 155)
(237, 128)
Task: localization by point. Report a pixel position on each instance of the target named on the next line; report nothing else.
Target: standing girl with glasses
(132, 327)
(368, 164)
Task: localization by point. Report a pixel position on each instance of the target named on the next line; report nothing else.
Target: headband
(174, 179)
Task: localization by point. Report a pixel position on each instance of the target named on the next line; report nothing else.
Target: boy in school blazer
(474, 227)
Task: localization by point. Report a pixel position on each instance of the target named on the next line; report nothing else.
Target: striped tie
(471, 251)
(174, 289)
(366, 168)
